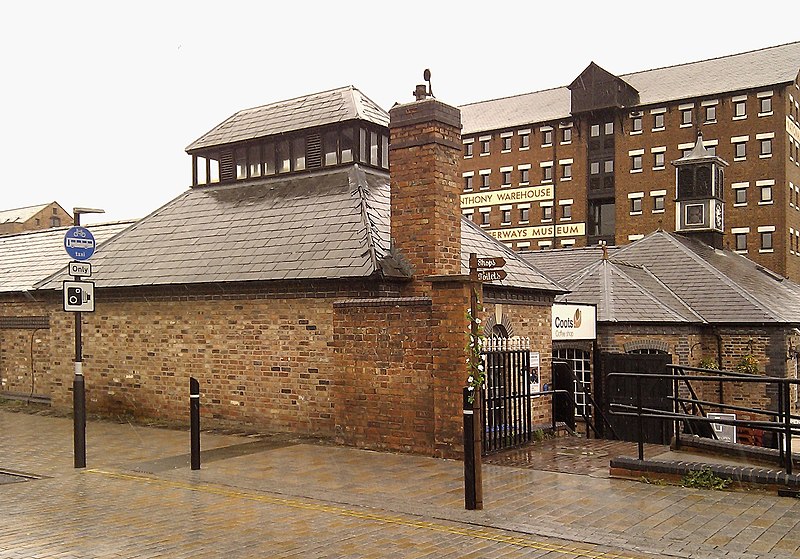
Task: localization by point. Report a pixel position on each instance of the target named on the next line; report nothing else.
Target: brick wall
(426, 216)
(25, 360)
(384, 396)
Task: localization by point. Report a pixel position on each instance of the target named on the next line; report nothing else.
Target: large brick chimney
(425, 147)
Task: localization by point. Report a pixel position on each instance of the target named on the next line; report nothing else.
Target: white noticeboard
(574, 322)
(535, 372)
(725, 433)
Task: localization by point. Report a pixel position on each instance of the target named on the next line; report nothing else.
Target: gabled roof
(317, 109)
(626, 293)
(719, 285)
(666, 277)
(21, 215)
(561, 263)
(520, 272)
(34, 255)
(329, 224)
(749, 70)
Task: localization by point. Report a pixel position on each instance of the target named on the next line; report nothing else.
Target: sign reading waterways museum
(540, 231)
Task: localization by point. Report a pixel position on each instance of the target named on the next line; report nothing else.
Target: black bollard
(194, 412)
(79, 419)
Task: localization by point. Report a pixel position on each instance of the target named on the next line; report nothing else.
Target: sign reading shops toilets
(574, 322)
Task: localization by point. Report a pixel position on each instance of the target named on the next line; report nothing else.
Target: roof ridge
(708, 59)
(650, 296)
(725, 279)
(293, 99)
(513, 96)
(359, 190)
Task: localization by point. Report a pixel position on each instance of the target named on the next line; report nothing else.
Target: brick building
(33, 218)
(307, 284)
(590, 162)
(673, 294)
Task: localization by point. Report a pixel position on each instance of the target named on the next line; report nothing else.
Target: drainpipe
(719, 364)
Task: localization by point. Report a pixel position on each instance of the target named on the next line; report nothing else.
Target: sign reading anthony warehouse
(574, 322)
(508, 196)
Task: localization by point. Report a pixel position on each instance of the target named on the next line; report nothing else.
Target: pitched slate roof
(330, 224)
(318, 109)
(563, 262)
(760, 68)
(719, 285)
(666, 277)
(626, 293)
(34, 255)
(520, 272)
(21, 215)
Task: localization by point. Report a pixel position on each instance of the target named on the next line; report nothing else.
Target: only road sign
(79, 243)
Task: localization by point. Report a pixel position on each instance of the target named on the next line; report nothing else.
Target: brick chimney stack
(425, 147)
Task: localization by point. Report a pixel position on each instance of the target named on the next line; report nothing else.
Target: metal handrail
(784, 427)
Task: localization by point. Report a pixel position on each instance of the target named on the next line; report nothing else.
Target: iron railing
(688, 411)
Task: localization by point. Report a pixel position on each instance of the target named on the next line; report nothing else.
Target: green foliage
(476, 374)
(747, 365)
(647, 480)
(709, 363)
(704, 479)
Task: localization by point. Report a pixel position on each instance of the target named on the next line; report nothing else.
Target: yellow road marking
(386, 519)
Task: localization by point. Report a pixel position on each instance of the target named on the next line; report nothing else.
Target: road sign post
(79, 244)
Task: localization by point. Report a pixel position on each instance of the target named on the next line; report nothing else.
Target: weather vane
(422, 91)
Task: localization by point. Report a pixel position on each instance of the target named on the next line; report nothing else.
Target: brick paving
(280, 498)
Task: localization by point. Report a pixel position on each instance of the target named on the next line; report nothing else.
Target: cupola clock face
(718, 217)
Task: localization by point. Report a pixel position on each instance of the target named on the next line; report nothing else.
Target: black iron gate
(507, 398)
(653, 393)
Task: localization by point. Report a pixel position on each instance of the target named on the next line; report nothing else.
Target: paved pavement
(269, 497)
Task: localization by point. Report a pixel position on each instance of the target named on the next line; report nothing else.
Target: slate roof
(21, 215)
(719, 285)
(32, 256)
(563, 262)
(330, 224)
(318, 109)
(520, 272)
(626, 293)
(666, 277)
(760, 68)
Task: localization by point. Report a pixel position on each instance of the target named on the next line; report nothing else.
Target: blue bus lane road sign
(79, 243)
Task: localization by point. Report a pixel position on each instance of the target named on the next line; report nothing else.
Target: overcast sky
(100, 99)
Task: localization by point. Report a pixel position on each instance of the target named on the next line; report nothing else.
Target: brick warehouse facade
(577, 165)
(297, 330)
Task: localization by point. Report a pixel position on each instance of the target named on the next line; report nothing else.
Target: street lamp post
(78, 385)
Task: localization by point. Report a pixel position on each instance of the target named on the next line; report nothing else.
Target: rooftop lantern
(699, 187)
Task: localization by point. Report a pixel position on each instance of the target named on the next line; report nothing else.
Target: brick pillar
(425, 147)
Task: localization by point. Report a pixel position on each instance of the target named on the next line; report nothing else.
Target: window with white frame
(505, 176)
(524, 174)
(739, 147)
(485, 142)
(505, 215)
(740, 107)
(636, 123)
(468, 178)
(566, 209)
(524, 139)
(566, 169)
(740, 193)
(547, 171)
(765, 189)
(659, 199)
(686, 116)
(468, 145)
(765, 103)
(765, 142)
(547, 136)
(636, 160)
(659, 157)
(766, 236)
(547, 212)
(566, 135)
(710, 108)
(740, 239)
(485, 216)
(505, 143)
(484, 178)
(636, 203)
(658, 122)
(524, 213)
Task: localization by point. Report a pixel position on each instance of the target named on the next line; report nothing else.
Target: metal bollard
(194, 413)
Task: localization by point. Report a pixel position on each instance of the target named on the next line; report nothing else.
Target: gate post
(194, 418)
(473, 480)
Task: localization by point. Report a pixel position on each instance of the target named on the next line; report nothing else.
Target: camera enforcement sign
(78, 296)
